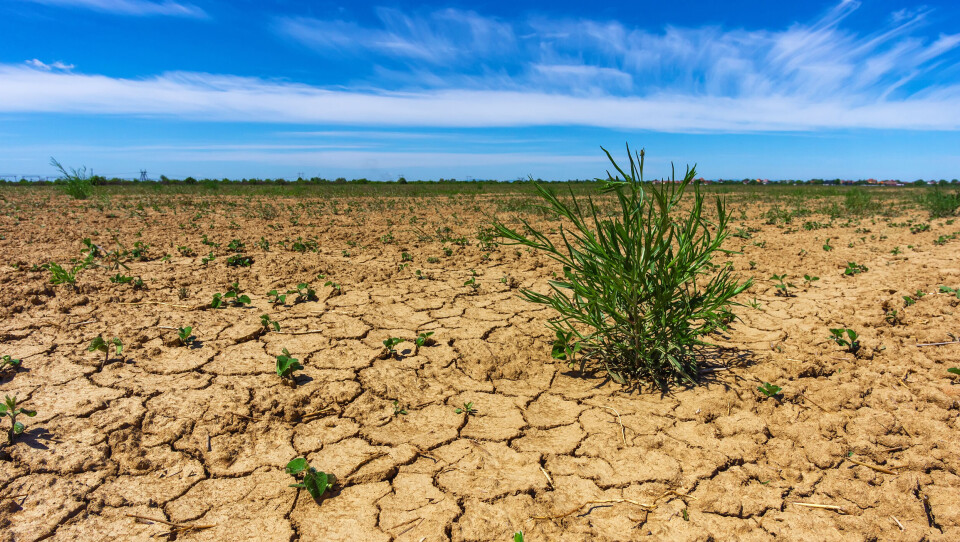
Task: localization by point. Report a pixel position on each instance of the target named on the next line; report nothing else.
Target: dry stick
(174, 525)
(648, 507)
(869, 466)
(623, 432)
(300, 332)
(894, 518)
(155, 303)
(938, 344)
(815, 404)
(823, 506)
(547, 476)
(413, 523)
(82, 323)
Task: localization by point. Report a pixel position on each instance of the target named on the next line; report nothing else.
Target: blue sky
(482, 89)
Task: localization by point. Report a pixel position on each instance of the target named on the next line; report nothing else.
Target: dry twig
(869, 466)
(177, 527)
(623, 432)
(645, 506)
(823, 506)
(155, 303)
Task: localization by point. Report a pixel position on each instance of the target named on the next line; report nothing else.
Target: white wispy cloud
(40, 65)
(440, 37)
(131, 7)
(808, 76)
(226, 98)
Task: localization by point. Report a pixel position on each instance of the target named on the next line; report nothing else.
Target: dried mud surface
(200, 436)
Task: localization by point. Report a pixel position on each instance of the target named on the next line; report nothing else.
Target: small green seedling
(286, 365)
(233, 297)
(208, 258)
(184, 333)
(391, 344)
(99, 344)
(267, 322)
(315, 482)
(10, 410)
(781, 286)
(853, 268)
(518, 536)
(809, 279)
(8, 362)
(949, 290)
(59, 275)
(770, 390)
(399, 409)
(827, 247)
(893, 317)
(277, 298)
(304, 293)
(334, 285)
(467, 409)
(907, 301)
(846, 338)
(564, 347)
(239, 260)
(423, 338)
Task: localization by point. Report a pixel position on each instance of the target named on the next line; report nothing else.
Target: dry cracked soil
(190, 442)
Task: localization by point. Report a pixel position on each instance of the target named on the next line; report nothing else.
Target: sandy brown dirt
(200, 435)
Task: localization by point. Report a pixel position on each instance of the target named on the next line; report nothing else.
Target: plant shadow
(715, 368)
(33, 437)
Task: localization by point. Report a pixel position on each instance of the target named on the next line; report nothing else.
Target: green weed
(769, 390)
(467, 409)
(10, 410)
(267, 323)
(102, 345)
(423, 339)
(286, 365)
(59, 275)
(232, 297)
(391, 346)
(398, 409)
(853, 268)
(239, 260)
(77, 184)
(184, 334)
(636, 289)
(783, 288)
(941, 204)
(8, 362)
(846, 338)
(315, 482)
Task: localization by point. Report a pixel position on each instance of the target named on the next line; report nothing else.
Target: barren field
(196, 437)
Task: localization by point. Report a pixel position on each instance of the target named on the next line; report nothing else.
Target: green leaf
(316, 483)
(297, 466)
(518, 536)
(29, 413)
(954, 370)
(17, 428)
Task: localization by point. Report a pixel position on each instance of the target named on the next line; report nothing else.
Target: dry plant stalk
(869, 466)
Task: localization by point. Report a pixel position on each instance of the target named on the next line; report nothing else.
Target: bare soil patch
(197, 437)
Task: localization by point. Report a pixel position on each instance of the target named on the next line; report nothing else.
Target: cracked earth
(196, 438)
